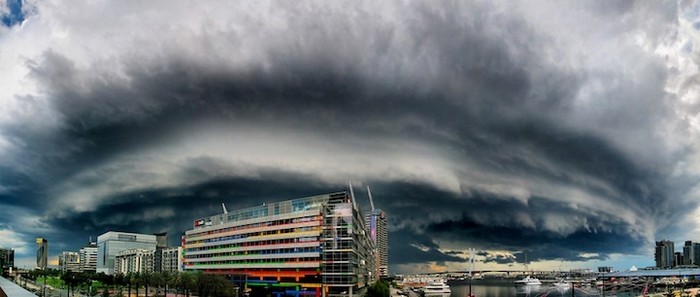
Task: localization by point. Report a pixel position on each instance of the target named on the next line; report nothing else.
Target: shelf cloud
(565, 131)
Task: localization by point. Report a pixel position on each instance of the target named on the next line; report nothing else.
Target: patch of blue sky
(692, 13)
(15, 15)
(688, 47)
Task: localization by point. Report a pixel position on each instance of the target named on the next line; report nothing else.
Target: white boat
(437, 288)
(528, 281)
(562, 285)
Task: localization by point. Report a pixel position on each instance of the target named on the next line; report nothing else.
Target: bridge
(509, 272)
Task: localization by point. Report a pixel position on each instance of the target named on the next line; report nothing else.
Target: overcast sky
(564, 130)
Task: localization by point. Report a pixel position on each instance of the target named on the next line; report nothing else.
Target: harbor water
(507, 289)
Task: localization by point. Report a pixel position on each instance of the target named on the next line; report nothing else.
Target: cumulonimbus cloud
(558, 127)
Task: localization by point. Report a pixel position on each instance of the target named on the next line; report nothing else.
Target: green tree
(157, 280)
(94, 291)
(163, 280)
(146, 280)
(136, 281)
(190, 282)
(173, 282)
(378, 289)
(118, 281)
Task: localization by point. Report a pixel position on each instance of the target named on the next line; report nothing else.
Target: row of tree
(184, 283)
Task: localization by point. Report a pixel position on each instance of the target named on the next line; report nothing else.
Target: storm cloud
(564, 131)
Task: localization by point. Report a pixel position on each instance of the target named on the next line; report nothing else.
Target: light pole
(43, 291)
(471, 270)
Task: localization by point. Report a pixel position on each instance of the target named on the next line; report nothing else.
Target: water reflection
(528, 290)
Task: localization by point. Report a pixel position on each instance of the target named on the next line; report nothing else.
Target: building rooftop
(12, 289)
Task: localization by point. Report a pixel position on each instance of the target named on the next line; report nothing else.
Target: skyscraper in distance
(7, 259)
(42, 253)
(376, 221)
(689, 253)
(664, 254)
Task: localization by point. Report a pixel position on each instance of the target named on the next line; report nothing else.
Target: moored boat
(528, 281)
(437, 288)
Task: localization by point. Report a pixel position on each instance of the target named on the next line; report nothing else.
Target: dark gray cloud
(479, 125)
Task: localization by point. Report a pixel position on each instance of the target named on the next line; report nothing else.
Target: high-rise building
(111, 243)
(7, 259)
(689, 253)
(161, 244)
(696, 253)
(88, 257)
(69, 261)
(376, 221)
(677, 259)
(171, 259)
(135, 260)
(308, 246)
(42, 253)
(664, 254)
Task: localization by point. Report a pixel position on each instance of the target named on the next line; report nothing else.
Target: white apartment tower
(88, 258)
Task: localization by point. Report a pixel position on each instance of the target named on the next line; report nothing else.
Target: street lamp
(43, 290)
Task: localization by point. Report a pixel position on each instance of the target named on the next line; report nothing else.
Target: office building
(88, 257)
(378, 229)
(69, 261)
(677, 259)
(171, 259)
(7, 259)
(161, 244)
(309, 246)
(664, 254)
(134, 260)
(112, 243)
(689, 253)
(42, 253)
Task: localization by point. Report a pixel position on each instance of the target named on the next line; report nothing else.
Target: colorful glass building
(309, 246)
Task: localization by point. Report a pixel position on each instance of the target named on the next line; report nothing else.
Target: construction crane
(371, 201)
(352, 195)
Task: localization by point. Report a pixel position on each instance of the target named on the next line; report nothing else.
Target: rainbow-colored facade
(309, 246)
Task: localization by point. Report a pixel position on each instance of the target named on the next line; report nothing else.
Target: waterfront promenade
(10, 289)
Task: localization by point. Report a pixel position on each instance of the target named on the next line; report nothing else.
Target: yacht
(436, 288)
(528, 281)
(562, 285)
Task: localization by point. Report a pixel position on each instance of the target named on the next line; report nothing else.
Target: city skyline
(565, 133)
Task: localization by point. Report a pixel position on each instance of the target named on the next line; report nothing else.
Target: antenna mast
(224, 207)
